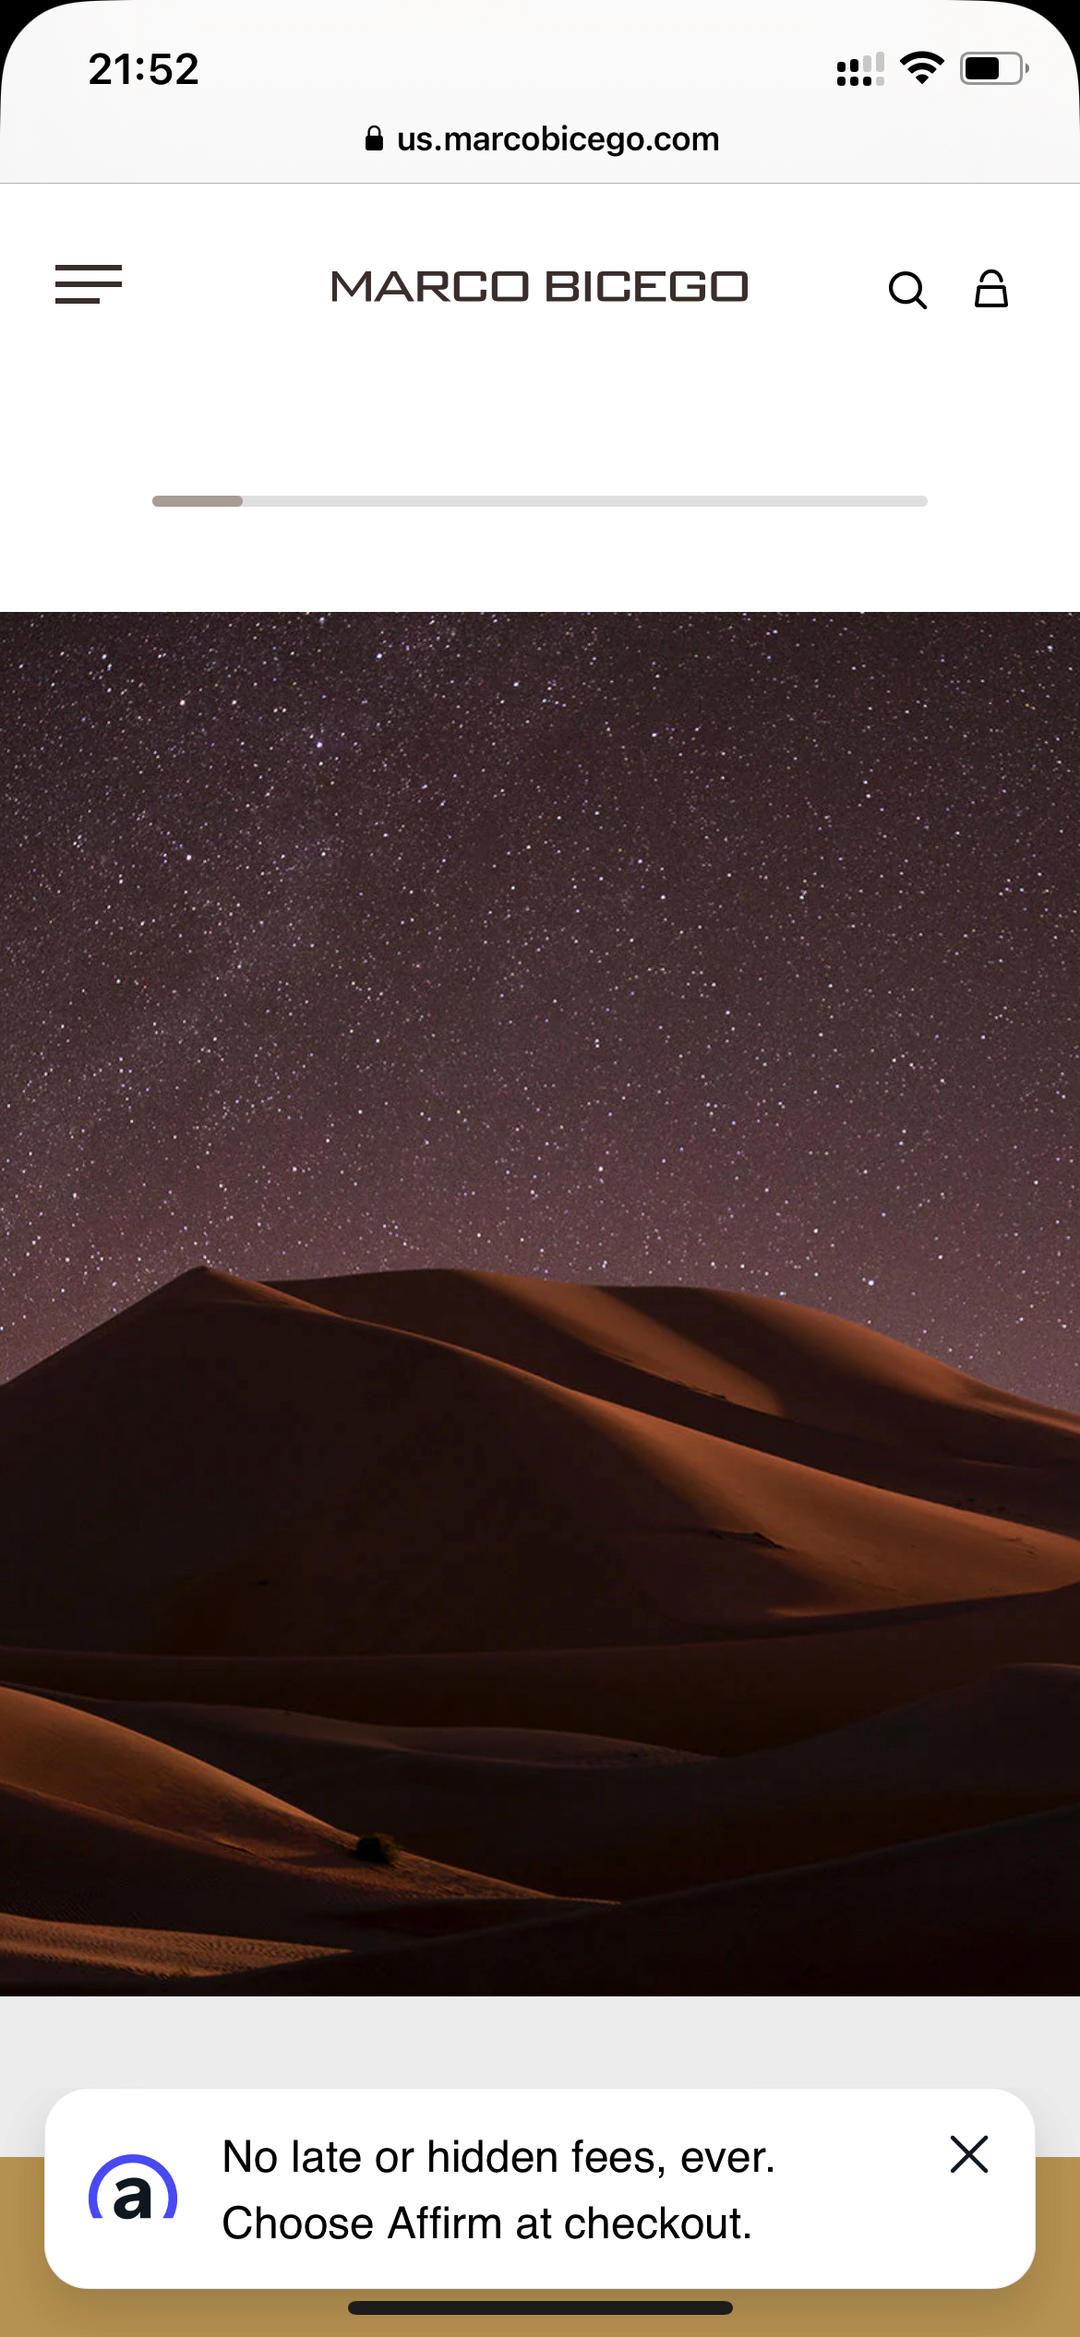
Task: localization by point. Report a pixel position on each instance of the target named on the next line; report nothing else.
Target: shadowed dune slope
(95, 1763)
(586, 1817)
(761, 1353)
(996, 1910)
(101, 1824)
(730, 1696)
(748, 1619)
(67, 1864)
(230, 1468)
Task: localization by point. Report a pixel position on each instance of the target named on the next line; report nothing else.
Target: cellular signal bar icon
(861, 72)
(80, 283)
(921, 63)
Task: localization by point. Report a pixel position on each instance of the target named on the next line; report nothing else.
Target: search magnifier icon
(907, 288)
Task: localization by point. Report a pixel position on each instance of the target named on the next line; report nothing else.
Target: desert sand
(681, 1640)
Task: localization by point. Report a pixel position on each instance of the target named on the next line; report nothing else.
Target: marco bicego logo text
(511, 286)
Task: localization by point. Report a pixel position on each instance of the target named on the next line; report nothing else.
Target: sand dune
(92, 1763)
(581, 1817)
(994, 1910)
(775, 1377)
(724, 1696)
(1019, 1726)
(229, 1468)
(36, 1954)
(104, 1825)
(765, 1354)
(652, 1596)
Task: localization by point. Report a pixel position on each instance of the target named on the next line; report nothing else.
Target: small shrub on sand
(376, 1850)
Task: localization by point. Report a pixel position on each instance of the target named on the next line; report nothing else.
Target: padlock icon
(990, 290)
(374, 142)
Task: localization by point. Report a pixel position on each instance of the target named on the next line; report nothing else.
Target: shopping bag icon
(990, 290)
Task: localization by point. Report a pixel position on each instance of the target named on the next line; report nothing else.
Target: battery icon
(992, 68)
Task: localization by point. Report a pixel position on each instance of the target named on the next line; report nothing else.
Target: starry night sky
(730, 950)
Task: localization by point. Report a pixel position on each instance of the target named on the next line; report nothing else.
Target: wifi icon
(921, 63)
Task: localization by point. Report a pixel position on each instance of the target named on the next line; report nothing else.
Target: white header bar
(848, 432)
(568, 90)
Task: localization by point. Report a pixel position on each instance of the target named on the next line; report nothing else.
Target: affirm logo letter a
(134, 2196)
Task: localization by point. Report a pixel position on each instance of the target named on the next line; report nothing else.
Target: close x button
(969, 2154)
